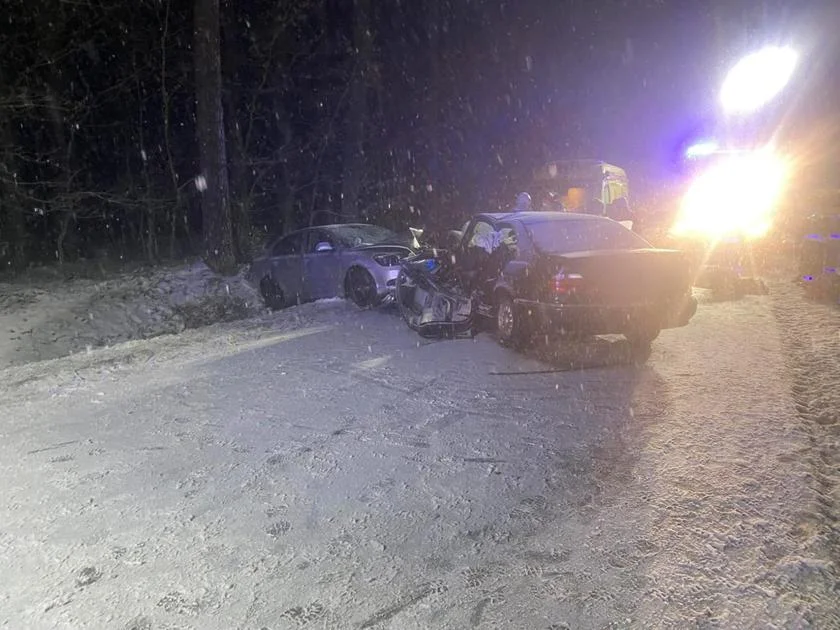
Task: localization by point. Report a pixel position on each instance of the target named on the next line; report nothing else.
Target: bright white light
(757, 79)
(736, 196)
(701, 149)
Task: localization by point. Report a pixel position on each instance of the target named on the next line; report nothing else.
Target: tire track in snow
(811, 337)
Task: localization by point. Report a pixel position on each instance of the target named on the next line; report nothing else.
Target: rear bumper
(606, 320)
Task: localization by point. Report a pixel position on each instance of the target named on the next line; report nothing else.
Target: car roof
(276, 237)
(541, 217)
(332, 226)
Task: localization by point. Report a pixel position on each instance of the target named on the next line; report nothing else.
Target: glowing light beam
(757, 79)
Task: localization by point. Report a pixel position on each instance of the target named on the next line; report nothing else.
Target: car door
(287, 266)
(472, 252)
(321, 269)
(510, 265)
(489, 275)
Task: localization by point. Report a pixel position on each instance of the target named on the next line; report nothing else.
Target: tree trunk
(219, 251)
(240, 188)
(434, 106)
(166, 105)
(354, 156)
(239, 134)
(12, 232)
(287, 193)
(66, 218)
(65, 155)
(242, 230)
(12, 224)
(62, 128)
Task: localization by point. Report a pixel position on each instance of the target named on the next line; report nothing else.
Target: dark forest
(159, 129)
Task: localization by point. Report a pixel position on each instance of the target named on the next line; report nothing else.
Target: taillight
(565, 283)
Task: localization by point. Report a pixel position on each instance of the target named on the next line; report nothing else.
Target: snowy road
(322, 469)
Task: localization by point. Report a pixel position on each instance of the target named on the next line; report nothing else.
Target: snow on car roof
(538, 217)
(339, 225)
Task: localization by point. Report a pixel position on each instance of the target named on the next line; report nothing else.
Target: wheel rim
(362, 290)
(504, 319)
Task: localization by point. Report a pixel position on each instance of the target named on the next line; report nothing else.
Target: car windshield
(563, 237)
(360, 235)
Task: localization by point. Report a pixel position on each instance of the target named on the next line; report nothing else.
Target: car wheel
(727, 286)
(640, 341)
(360, 287)
(510, 328)
(272, 294)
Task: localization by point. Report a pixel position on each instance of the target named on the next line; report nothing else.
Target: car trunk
(618, 277)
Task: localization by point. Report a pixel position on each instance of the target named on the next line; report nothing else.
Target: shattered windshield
(361, 235)
(562, 237)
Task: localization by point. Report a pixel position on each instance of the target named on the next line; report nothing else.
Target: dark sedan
(573, 274)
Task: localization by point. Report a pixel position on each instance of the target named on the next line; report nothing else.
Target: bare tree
(354, 154)
(166, 115)
(219, 252)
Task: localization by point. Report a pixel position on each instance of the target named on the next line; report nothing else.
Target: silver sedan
(358, 261)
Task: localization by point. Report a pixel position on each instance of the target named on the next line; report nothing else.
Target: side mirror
(323, 246)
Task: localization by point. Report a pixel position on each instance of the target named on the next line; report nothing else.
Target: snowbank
(45, 316)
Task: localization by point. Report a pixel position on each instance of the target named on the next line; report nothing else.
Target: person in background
(594, 206)
(523, 203)
(619, 210)
(553, 203)
(573, 200)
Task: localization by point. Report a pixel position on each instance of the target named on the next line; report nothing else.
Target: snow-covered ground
(326, 468)
(45, 315)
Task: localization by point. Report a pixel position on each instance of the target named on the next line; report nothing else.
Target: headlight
(387, 260)
(737, 196)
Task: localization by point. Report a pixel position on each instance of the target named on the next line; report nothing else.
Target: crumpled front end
(431, 306)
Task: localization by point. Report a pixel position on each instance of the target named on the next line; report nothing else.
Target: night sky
(464, 98)
(652, 75)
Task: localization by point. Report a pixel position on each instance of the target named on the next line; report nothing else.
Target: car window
(481, 231)
(287, 246)
(488, 237)
(361, 234)
(562, 237)
(508, 237)
(313, 237)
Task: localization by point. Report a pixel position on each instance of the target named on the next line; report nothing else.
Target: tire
(511, 330)
(272, 294)
(727, 286)
(640, 341)
(360, 287)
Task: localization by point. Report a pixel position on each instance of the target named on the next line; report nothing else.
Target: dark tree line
(160, 128)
